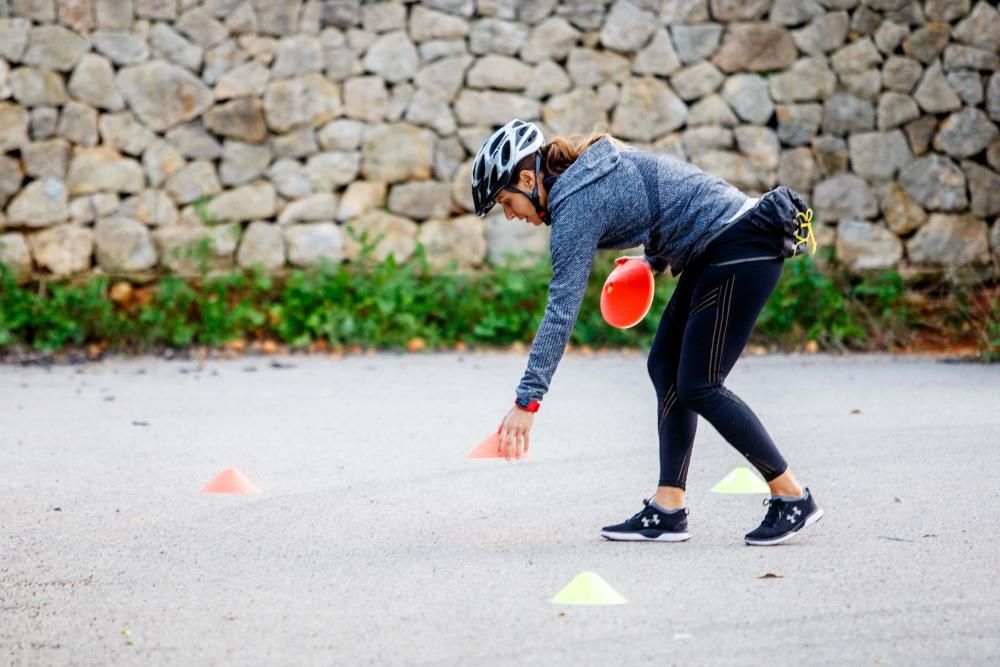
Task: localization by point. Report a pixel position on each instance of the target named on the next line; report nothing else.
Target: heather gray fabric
(619, 197)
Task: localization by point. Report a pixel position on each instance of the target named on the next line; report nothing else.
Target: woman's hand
(514, 433)
(621, 260)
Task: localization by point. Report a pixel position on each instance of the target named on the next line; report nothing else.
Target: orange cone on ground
(488, 448)
(230, 480)
(628, 293)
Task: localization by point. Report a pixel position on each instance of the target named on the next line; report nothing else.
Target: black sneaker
(651, 524)
(784, 519)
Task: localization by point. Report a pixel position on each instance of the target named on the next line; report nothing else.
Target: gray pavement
(376, 542)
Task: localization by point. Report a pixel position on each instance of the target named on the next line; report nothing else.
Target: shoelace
(806, 224)
(645, 502)
(773, 511)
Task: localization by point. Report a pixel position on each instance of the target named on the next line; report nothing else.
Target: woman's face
(517, 204)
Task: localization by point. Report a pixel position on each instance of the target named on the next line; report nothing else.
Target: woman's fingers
(513, 440)
(512, 445)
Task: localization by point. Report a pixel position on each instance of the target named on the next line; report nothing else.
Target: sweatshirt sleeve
(572, 253)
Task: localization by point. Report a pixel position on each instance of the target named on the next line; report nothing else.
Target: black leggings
(704, 328)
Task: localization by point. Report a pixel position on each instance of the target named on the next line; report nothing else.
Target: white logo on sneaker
(793, 515)
(655, 519)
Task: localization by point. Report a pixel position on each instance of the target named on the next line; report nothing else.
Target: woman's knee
(659, 372)
(696, 395)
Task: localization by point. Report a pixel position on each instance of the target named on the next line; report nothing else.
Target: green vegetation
(385, 305)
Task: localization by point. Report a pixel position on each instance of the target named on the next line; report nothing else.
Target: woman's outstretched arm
(573, 253)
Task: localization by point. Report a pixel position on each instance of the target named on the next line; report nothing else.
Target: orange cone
(628, 293)
(230, 480)
(487, 449)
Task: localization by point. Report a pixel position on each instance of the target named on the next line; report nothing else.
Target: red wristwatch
(532, 405)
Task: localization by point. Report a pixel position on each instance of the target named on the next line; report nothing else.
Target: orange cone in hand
(230, 480)
(628, 293)
(489, 448)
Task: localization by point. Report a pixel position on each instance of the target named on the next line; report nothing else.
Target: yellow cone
(588, 588)
(741, 480)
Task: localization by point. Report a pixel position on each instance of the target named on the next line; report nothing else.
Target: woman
(729, 251)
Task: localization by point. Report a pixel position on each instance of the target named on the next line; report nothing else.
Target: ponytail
(561, 152)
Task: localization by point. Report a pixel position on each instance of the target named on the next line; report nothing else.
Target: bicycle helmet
(494, 165)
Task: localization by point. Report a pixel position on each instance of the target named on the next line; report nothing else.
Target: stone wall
(133, 131)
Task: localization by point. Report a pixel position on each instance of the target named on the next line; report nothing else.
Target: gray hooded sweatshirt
(619, 197)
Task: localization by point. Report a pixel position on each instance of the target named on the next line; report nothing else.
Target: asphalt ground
(375, 541)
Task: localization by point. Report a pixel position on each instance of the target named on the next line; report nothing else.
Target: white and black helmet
(497, 158)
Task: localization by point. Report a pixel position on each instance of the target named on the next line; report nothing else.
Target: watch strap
(530, 406)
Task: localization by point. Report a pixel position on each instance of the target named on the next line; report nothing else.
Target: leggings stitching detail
(724, 302)
(666, 397)
(729, 307)
(717, 341)
(707, 300)
(728, 298)
(667, 408)
(684, 464)
(704, 307)
(668, 402)
(715, 336)
(708, 295)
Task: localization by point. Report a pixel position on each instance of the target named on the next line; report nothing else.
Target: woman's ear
(526, 180)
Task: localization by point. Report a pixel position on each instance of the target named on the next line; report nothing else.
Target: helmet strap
(539, 209)
(542, 211)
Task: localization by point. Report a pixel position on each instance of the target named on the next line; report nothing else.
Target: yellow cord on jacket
(807, 217)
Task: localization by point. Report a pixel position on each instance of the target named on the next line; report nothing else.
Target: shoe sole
(639, 537)
(810, 520)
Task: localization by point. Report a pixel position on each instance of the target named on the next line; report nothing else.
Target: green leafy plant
(386, 304)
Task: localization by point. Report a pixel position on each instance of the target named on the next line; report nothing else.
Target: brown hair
(560, 153)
